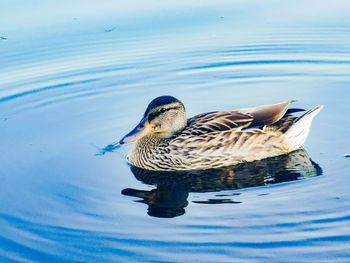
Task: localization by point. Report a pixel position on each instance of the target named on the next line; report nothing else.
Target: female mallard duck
(166, 140)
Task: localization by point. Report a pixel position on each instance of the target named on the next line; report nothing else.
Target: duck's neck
(144, 148)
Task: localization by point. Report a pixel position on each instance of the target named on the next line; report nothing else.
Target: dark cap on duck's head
(161, 101)
(164, 116)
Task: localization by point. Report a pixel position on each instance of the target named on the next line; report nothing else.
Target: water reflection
(169, 198)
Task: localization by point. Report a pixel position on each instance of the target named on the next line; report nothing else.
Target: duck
(165, 140)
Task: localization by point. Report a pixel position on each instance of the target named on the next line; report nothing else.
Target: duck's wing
(216, 122)
(268, 114)
(238, 119)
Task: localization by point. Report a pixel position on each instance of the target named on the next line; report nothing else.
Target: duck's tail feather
(296, 135)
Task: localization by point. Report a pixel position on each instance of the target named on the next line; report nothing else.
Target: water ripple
(262, 62)
(29, 92)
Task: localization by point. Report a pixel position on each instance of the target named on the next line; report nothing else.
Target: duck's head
(164, 116)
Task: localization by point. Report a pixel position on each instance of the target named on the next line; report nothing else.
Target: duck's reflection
(169, 199)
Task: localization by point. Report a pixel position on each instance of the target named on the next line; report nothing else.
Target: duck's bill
(141, 130)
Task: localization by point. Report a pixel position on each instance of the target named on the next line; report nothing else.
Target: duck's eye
(162, 110)
(154, 115)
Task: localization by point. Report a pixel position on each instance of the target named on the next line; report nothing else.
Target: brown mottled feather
(216, 122)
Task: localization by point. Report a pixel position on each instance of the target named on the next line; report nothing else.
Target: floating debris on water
(3, 38)
(347, 155)
(109, 148)
(111, 29)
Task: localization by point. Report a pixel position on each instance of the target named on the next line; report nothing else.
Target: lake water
(75, 78)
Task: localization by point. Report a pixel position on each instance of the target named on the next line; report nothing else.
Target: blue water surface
(77, 76)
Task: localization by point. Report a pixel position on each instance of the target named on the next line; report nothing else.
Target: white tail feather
(297, 134)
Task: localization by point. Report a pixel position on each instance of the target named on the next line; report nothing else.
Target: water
(75, 80)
